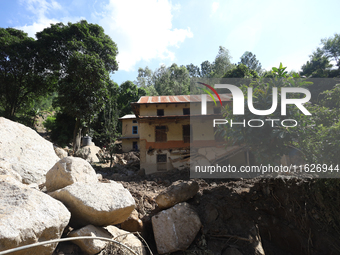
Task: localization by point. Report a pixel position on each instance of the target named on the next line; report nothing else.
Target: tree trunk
(77, 136)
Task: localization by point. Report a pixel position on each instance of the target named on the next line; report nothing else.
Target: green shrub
(49, 123)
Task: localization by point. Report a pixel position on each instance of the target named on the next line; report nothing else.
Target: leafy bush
(61, 126)
(49, 123)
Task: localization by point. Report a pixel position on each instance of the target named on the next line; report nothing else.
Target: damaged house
(168, 126)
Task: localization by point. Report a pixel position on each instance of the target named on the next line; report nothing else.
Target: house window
(134, 121)
(161, 162)
(186, 134)
(160, 112)
(217, 110)
(134, 130)
(186, 111)
(135, 146)
(161, 134)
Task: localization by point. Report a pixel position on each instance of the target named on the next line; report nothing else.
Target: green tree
(249, 59)
(22, 76)
(173, 80)
(81, 56)
(145, 81)
(222, 63)
(128, 92)
(241, 71)
(82, 91)
(194, 71)
(206, 69)
(331, 48)
(318, 66)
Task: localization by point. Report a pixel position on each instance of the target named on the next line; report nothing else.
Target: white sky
(152, 32)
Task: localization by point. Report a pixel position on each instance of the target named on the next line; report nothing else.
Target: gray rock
(90, 246)
(126, 238)
(175, 228)
(28, 216)
(133, 223)
(6, 169)
(69, 170)
(61, 153)
(29, 154)
(176, 193)
(89, 153)
(99, 204)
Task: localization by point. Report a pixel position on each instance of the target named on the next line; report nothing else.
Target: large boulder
(6, 169)
(68, 171)
(89, 153)
(28, 216)
(28, 153)
(90, 246)
(175, 228)
(99, 204)
(176, 193)
(127, 239)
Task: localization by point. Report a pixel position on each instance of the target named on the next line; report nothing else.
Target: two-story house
(169, 126)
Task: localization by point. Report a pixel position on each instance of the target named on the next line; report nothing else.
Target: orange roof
(180, 99)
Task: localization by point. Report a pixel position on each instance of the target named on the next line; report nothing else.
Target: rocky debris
(126, 238)
(133, 223)
(99, 204)
(90, 246)
(127, 158)
(175, 228)
(178, 192)
(89, 153)
(28, 216)
(29, 154)
(6, 169)
(61, 153)
(69, 170)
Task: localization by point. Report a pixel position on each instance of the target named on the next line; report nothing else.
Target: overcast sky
(151, 33)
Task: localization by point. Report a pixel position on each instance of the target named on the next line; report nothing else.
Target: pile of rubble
(72, 201)
(45, 197)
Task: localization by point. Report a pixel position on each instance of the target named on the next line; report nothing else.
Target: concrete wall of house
(127, 144)
(127, 125)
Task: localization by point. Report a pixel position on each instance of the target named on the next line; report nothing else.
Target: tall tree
(145, 81)
(128, 92)
(173, 80)
(81, 55)
(222, 63)
(144, 78)
(194, 71)
(22, 76)
(249, 59)
(241, 71)
(82, 91)
(331, 48)
(318, 66)
(206, 68)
